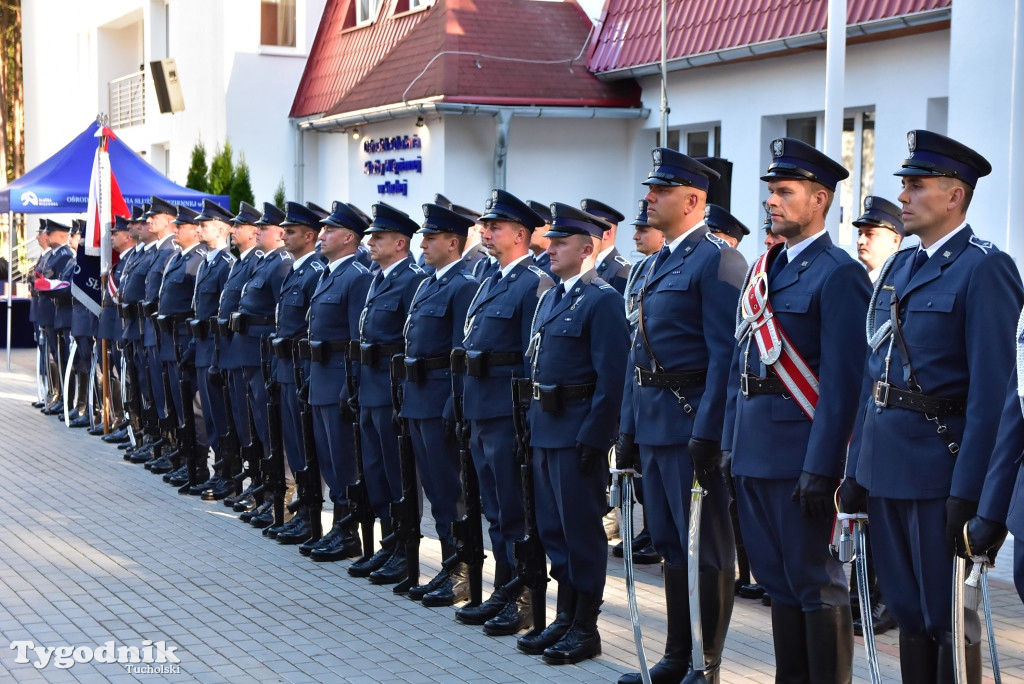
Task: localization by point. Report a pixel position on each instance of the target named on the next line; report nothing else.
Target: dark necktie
(557, 297)
(779, 264)
(377, 280)
(919, 259)
(662, 257)
(494, 280)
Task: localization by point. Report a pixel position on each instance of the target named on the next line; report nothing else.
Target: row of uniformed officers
(764, 377)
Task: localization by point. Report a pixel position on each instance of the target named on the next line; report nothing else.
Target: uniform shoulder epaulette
(285, 256)
(467, 276)
(227, 257)
(984, 245)
(716, 241)
(622, 261)
(359, 267)
(414, 268)
(316, 265)
(202, 251)
(539, 272)
(259, 253)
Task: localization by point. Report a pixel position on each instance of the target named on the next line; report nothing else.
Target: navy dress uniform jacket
(614, 269)
(297, 288)
(334, 310)
(499, 320)
(819, 301)
(133, 288)
(154, 279)
(230, 296)
(210, 282)
(685, 333)
(959, 313)
(435, 326)
(259, 298)
(110, 327)
(42, 307)
(56, 266)
(62, 297)
(382, 322)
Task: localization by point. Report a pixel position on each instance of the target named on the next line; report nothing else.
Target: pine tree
(241, 188)
(221, 171)
(198, 170)
(279, 195)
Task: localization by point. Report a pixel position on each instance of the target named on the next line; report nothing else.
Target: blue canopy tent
(60, 185)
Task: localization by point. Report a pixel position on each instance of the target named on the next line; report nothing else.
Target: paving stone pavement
(94, 549)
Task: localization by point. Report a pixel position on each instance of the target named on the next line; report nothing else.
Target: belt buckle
(536, 391)
(638, 375)
(881, 393)
(745, 384)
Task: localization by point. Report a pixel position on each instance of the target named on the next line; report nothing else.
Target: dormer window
(366, 11)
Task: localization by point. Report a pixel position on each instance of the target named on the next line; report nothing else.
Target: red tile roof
(507, 52)
(630, 34)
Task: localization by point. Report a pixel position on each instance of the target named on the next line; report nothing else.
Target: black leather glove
(984, 536)
(188, 357)
(214, 377)
(815, 492)
(589, 457)
(958, 512)
(450, 431)
(706, 455)
(627, 453)
(303, 392)
(852, 497)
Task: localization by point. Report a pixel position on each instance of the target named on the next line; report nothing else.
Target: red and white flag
(105, 202)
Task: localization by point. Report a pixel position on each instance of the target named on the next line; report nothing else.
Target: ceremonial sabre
(624, 501)
(693, 581)
(989, 628)
(67, 379)
(959, 654)
(40, 391)
(977, 578)
(864, 590)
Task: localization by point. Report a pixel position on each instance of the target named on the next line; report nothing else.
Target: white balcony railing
(127, 100)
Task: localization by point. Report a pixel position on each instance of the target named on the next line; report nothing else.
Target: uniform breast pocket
(293, 299)
(433, 310)
(504, 312)
(257, 282)
(329, 298)
(929, 319)
(566, 327)
(386, 305)
(791, 302)
(669, 297)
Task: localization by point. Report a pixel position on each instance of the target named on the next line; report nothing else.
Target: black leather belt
(282, 347)
(479, 364)
(149, 308)
(128, 310)
(887, 396)
(240, 322)
(168, 322)
(751, 384)
(321, 351)
(223, 326)
(416, 369)
(372, 354)
(200, 328)
(666, 380)
(552, 398)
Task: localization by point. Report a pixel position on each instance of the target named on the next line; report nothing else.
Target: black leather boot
(394, 570)
(830, 644)
(516, 615)
(478, 615)
(540, 638)
(298, 531)
(676, 662)
(417, 592)
(919, 658)
(363, 568)
(454, 590)
(306, 547)
(789, 634)
(716, 601)
(972, 651)
(582, 641)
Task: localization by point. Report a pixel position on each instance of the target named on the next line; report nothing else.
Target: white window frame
(300, 49)
(371, 15)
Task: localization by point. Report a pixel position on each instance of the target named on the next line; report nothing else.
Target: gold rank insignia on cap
(656, 156)
(778, 147)
(912, 141)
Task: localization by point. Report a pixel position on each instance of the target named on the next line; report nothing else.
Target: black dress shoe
(297, 532)
(881, 620)
(54, 409)
(420, 590)
(394, 570)
(219, 488)
(96, 430)
(276, 528)
(232, 500)
(198, 489)
(750, 591)
(338, 548)
(80, 422)
(179, 478)
(247, 516)
(515, 616)
(454, 590)
(646, 555)
(245, 504)
(175, 473)
(766, 600)
(161, 467)
(371, 564)
(306, 547)
(478, 615)
(38, 405)
(141, 456)
(263, 518)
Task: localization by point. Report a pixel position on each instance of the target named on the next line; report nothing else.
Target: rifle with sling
(187, 431)
(307, 480)
(531, 565)
(360, 510)
(405, 513)
(273, 466)
(468, 530)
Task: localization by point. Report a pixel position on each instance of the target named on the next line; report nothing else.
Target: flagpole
(10, 282)
(104, 212)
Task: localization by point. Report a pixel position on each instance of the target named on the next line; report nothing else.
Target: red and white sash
(776, 350)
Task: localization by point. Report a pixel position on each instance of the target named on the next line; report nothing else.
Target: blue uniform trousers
(789, 554)
(214, 415)
(335, 450)
(82, 362)
(437, 463)
(918, 588)
(1018, 567)
(668, 479)
(171, 368)
(570, 506)
(258, 398)
(381, 468)
(155, 369)
(492, 442)
(240, 405)
(291, 426)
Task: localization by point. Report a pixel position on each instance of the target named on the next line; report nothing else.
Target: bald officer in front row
(579, 348)
(794, 409)
(671, 422)
(942, 326)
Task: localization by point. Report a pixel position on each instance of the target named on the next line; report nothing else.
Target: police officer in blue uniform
(676, 396)
(57, 235)
(159, 226)
(381, 327)
(334, 310)
(111, 327)
(434, 328)
(579, 348)
(648, 241)
(244, 238)
(612, 267)
(539, 241)
(942, 323)
(785, 491)
(255, 320)
(84, 324)
(723, 224)
(497, 333)
(214, 223)
(174, 311)
(44, 368)
(301, 226)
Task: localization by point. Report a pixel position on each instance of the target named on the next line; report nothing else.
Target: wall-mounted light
(419, 122)
(355, 133)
